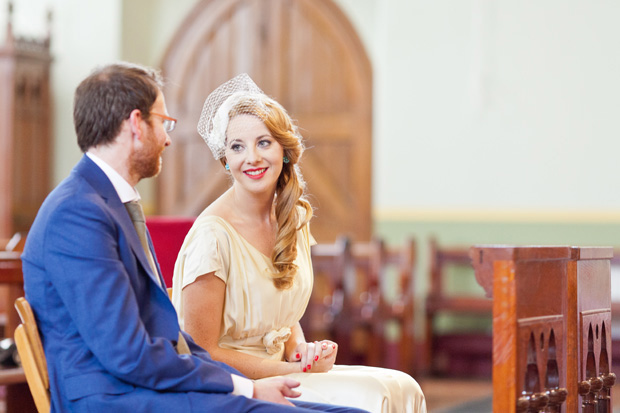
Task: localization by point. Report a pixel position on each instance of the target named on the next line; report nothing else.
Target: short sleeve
(207, 250)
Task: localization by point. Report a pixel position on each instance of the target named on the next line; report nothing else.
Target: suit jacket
(107, 326)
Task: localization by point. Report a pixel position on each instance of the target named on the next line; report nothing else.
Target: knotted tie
(137, 217)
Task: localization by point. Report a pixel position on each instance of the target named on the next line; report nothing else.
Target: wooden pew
(359, 329)
(615, 308)
(458, 353)
(10, 291)
(378, 327)
(394, 275)
(18, 398)
(326, 303)
(342, 304)
(350, 304)
(551, 327)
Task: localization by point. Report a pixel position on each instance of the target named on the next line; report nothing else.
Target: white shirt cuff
(242, 386)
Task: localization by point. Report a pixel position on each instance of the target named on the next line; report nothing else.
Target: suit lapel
(102, 185)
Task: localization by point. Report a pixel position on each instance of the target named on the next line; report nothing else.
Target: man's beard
(146, 162)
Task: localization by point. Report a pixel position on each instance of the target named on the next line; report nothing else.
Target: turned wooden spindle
(532, 402)
(556, 398)
(583, 389)
(604, 396)
(589, 399)
(523, 403)
(538, 402)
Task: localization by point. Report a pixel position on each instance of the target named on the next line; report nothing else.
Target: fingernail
(324, 345)
(309, 366)
(316, 358)
(304, 369)
(333, 346)
(298, 355)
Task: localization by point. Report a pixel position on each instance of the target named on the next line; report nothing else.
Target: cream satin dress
(257, 317)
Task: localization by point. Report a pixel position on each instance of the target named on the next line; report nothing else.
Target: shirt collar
(125, 192)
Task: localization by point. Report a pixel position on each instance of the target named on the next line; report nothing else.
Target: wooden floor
(446, 395)
(442, 394)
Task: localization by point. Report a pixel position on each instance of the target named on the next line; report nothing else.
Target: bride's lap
(375, 389)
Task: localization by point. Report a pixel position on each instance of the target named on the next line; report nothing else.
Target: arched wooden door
(305, 54)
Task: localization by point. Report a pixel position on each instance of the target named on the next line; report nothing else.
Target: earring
(286, 159)
(227, 167)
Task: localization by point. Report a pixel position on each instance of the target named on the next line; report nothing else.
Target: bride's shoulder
(221, 207)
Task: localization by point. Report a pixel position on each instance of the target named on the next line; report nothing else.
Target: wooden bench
(350, 303)
(391, 293)
(18, 397)
(326, 302)
(462, 352)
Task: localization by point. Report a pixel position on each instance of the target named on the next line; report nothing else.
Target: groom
(109, 331)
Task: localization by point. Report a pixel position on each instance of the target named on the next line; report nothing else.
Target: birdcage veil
(216, 111)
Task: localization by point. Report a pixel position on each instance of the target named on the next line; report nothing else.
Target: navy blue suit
(108, 328)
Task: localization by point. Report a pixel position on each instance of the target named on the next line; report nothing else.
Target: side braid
(289, 205)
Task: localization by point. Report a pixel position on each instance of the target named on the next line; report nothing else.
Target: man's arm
(84, 258)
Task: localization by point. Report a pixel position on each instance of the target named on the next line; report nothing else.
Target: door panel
(306, 55)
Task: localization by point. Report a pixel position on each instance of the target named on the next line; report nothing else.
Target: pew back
(551, 327)
(465, 351)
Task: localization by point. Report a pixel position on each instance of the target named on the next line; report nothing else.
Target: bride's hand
(326, 361)
(318, 356)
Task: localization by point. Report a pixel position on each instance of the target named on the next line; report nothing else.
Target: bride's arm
(203, 305)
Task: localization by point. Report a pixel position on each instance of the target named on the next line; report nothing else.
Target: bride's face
(254, 156)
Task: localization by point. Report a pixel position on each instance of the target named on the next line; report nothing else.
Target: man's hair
(108, 96)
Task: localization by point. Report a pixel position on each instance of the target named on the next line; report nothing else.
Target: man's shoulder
(72, 189)
(74, 196)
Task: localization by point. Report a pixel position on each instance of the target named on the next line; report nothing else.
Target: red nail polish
(316, 358)
(298, 355)
(309, 366)
(304, 369)
(333, 346)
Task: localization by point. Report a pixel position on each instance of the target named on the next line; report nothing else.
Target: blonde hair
(292, 209)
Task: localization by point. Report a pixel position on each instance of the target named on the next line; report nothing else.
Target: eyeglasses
(169, 123)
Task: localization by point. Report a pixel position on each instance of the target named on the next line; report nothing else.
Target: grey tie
(137, 217)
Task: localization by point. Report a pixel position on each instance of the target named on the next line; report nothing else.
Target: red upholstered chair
(168, 233)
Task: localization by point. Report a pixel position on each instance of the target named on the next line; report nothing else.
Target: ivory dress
(257, 317)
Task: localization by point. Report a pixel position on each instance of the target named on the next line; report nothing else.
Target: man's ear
(135, 123)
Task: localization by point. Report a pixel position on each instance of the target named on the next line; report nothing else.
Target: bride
(243, 277)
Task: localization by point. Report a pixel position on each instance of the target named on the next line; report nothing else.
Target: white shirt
(241, 386)
(125, 192)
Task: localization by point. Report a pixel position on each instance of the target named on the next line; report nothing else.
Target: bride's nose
(253, 156)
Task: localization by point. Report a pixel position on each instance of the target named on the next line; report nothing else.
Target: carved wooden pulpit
(551, 327)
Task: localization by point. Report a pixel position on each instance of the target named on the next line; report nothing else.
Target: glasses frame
(169, 123)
